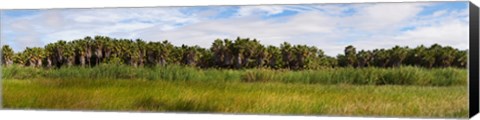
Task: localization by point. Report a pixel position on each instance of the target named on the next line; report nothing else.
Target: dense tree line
(234, 54)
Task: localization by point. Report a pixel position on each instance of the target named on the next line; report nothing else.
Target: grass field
(423, 93)
(357, 76)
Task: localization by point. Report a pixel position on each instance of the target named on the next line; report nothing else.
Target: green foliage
(7, 55)
(258, 75)
(115, 61)
(404, 75)
(241, 53)
(19, 72)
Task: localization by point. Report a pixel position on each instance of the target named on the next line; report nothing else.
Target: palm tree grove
(236, 76)
(241, 53)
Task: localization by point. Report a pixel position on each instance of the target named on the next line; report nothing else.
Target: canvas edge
(473, 60)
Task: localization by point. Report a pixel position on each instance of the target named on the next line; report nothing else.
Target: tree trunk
(161, 61)
(140, 62)
(245, 61)
(238, 61)
(8, 62)
(39, 63)
(99, 55)
(228, 60)
(49, 62)
(259, 62)
(273, 62)
(55, 62)
(141, 59)
(82, 61)
(132, 62)
(107, 53)
(31, 62)
(88, 56)
(70, 61)
(218, 58)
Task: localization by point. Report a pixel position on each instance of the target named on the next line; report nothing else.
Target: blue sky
(330, 27)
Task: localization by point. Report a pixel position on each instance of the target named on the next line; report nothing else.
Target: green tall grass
(405, 75)
(403, 91)
(236, 97)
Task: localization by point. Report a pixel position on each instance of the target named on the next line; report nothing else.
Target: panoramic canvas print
(362, 59)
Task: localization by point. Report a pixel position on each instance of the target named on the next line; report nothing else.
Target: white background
(79, 115)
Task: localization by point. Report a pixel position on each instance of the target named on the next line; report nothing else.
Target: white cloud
(68, 24)
(447, 29)
(384, 16)
(21, 25)
(268, 31)
(453, 33)
(366, 26)
(372, 26)
(249, 10)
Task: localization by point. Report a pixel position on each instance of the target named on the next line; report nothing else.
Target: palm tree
(301, 53)
(158, 52)
(218, 49)
(107, 47)
(320, 60)
(381, 57)
(398, 55)
(330, 61)
(428, 59)
(436, 50)
(229, 54)
(132, 53)
(69, 54)
(261, 56)
(116, 49)
(99, 42)
(88, 50)
(206, 58)
(142, 51)
(191, 55)
(80, 52)
(287, 55)
(20, 58)
(34, 56)
(7, 55)
(57, 52)
(166, 48)
(350, 54)
(415, 55)
(240, 53)
(274, 57)
(461, 58)
(447, 56)
(364, 58)
(239, 50)
(50, 54)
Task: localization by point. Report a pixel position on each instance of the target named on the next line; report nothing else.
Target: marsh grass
(236, 97)
(405, 75)
(396, 92)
